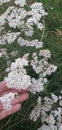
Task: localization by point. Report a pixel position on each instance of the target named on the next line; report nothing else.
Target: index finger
(3, 86)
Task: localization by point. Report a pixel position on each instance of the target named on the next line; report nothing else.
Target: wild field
(51, 36)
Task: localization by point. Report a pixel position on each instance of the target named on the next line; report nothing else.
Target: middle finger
(19, 99)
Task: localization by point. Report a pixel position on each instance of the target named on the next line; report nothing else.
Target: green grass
(53, 40)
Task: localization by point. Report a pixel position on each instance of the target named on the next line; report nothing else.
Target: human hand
(23, 95)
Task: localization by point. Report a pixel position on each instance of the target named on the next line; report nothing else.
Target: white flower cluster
(21, 18)
(9, 37)
(51, 127)
(39, 65)
(38, 8)
(45, 53)
(32, 43)
(7, 99)
(42, 66)
(51, 118)
(16, 15)
(20, 2)
(4, 1)
(36, 86)
(36, 13)
(17, 77)
(51, 69)
(3, 52)
(36, 111)
(29, 32)
(13, 16)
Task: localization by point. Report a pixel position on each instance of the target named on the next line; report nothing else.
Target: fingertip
(27, 95)
(18, 106)
(15, 108)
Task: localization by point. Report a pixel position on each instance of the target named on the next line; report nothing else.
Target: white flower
(47, 104)
(17, 77)
(4, 1)
(16, 16)
(38, 7)
(60, 102)
(36, 86)
(54, 97)
(30, 21)
(29, 32)
(39, 65)
(61, 92)
(60, 97)
(20, 2)
(40, 26)
(50, 69)
(60, 127)
(3, 52)
(19, 64)
(8, 37)
(32, 43)
(46, 53)
(37, 44)
(36, 111)
(48, 127)
(44, 127)
(50, 119)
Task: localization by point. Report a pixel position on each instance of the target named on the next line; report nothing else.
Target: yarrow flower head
(20, 2)
(45, 53)
(17, 77)
(50, 118)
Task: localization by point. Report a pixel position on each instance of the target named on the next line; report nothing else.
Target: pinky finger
(6, 113)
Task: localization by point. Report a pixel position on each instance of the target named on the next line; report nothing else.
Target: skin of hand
(16, 103)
